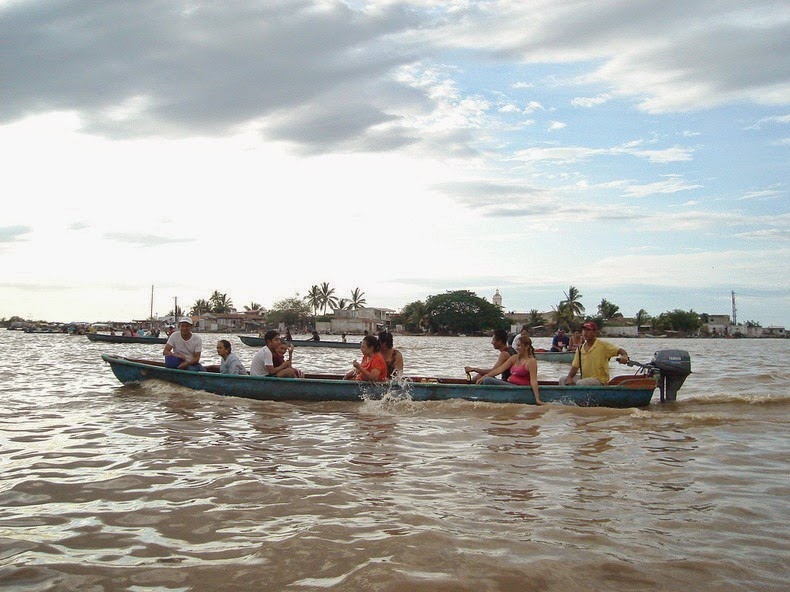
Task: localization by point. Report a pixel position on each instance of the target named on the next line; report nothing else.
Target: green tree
(415, 316)
(535, 318)
(313, 299)
(254, 307)
(463, 311)
(686, 322)
(608, 310)
(641, 318)
(293, 312)
(200, 307)
(572, 301)
(343, 304)
(220, 303)
(357, 299)
(328, 297)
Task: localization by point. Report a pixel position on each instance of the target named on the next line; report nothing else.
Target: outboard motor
(674, 366)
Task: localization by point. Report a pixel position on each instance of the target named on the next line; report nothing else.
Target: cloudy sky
(635, 149)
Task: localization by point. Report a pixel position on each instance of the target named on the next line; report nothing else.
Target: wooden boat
(260, 342)
(623, 391)
(550, 356)
(107, 338)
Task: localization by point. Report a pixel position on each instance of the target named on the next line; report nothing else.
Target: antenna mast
(734, 315)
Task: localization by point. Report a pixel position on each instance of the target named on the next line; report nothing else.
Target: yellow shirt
(595, 362)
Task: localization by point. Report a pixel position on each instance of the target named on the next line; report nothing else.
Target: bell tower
(497, 298)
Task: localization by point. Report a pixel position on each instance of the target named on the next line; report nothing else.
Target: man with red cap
(593, 359)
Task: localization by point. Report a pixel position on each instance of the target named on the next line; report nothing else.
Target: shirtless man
(499, 343)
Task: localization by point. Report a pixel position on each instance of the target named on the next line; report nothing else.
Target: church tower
(497, 298)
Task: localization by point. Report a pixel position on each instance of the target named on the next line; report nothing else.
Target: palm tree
(343, 304)
(313, 299)
(608, 310)
(200, 307)
(221, 303)
(563, 315)
(535, 319)
(328, 297)
(572, 297)
(253, 307)
(357, 299)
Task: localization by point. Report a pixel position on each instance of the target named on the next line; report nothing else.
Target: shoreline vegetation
(453, 313)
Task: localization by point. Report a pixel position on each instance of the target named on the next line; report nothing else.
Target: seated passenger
(560, 341)
(576, 341)
(523, 369)
(499, 343)
(373, 367)
(263, 362)
(280, 356)
(594, 363)
(231, 364)
(392, 357)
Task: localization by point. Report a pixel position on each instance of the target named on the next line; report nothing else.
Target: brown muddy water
(155, 487)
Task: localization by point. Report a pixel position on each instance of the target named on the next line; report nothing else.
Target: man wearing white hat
(185, 346)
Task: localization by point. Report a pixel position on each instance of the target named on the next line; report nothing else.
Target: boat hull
(549, 356)
(260, 342)
(632, 391)
(105, 338)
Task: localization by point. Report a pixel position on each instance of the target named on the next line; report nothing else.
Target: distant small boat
(260, 342)
(107, 338)
(668, 370)
(550, 356)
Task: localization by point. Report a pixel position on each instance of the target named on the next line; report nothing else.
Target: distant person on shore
(372, 367)
(392, 357)
(231, 364)
(523, 369)
(263, 362)
(595, 354)
(343, 338)
(576, 340)
(315, 336)
(524, 333)
(499, 343)
(560, 341)
(184, 346)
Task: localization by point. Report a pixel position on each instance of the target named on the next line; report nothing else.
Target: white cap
(185, 320)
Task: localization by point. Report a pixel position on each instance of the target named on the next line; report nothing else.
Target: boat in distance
(622, 391)
(107, 338)
(550, 356)
(260, 342)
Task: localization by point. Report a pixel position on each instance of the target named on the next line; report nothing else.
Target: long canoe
(260, 342)
(550, 356)
(107, 338)
(624, 391)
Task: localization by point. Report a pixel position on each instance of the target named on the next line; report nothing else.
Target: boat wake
(394, 397)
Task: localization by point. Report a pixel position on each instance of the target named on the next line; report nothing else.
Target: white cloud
(588, 102)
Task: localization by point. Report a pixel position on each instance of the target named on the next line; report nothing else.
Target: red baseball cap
(590, 325)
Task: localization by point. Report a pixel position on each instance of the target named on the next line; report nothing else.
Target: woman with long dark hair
(523, 369)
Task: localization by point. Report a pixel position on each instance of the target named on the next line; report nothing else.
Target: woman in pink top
(523, 369)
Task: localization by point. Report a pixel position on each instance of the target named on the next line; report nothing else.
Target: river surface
(155, 487)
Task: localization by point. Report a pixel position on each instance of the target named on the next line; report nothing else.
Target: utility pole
(734, 314)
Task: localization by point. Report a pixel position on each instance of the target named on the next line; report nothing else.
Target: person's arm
(371, 374)
(503, 357)
(574, 368)
(532, 366)
(398, 363)
(499, 369)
